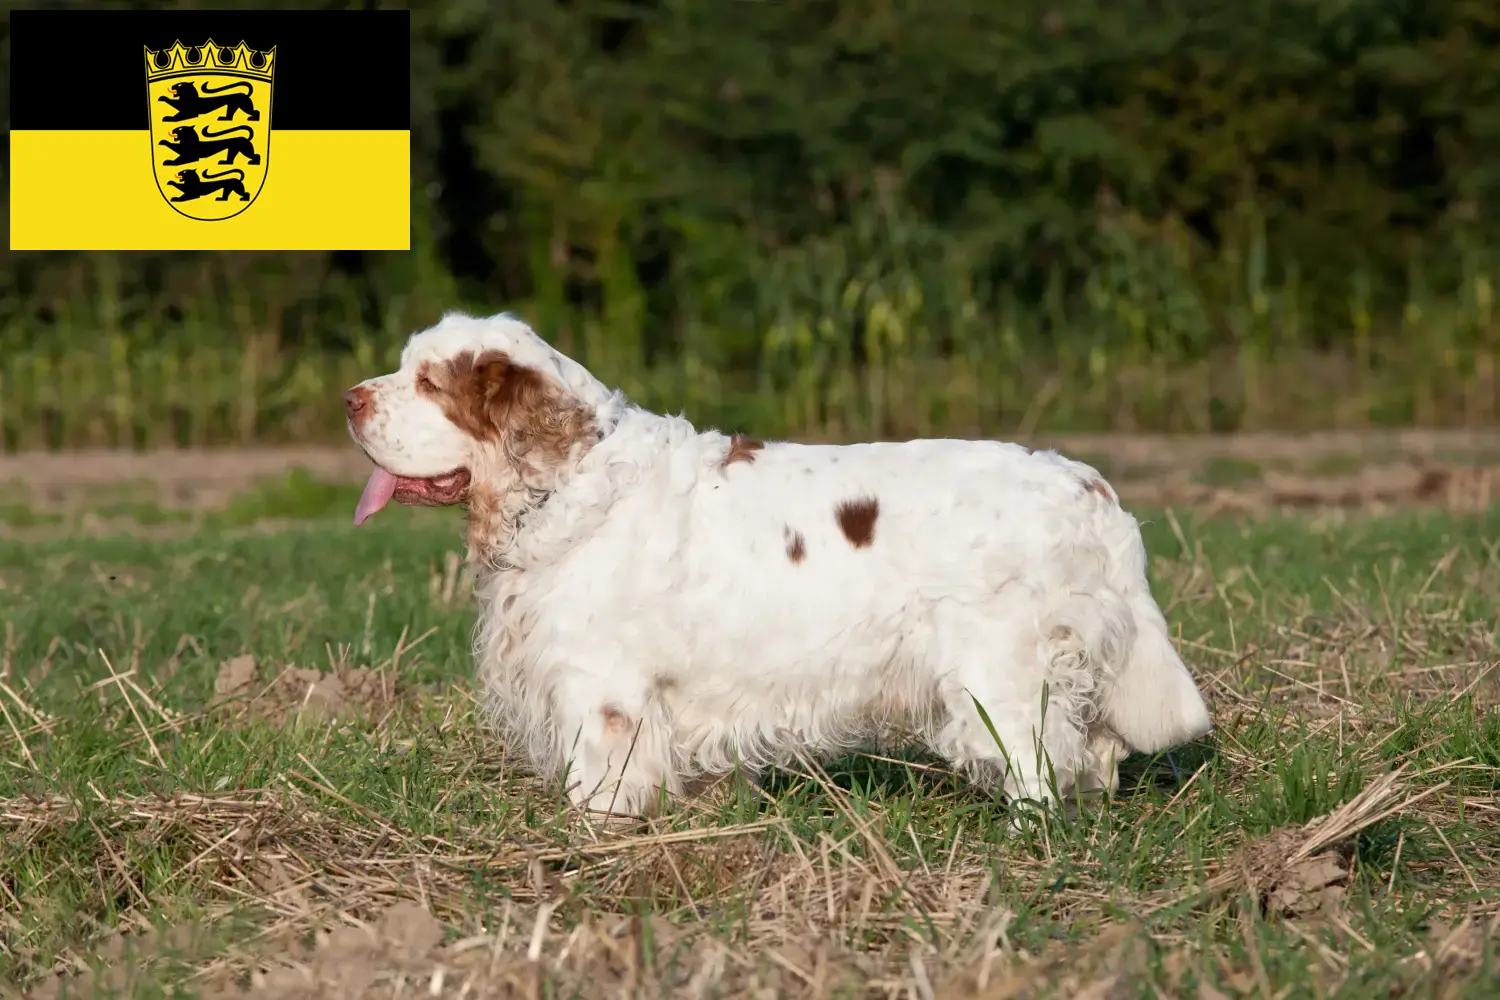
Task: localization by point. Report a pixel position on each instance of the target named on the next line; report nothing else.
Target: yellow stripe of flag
(95, 190)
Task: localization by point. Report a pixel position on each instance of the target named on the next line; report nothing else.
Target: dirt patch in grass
(176, 479)
(1460, 489)
(294, 693)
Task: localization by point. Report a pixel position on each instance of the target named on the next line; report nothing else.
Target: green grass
(1333, 649)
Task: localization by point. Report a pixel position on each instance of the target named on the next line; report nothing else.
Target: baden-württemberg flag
(210, 130)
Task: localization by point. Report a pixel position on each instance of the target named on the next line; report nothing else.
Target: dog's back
(785, 591)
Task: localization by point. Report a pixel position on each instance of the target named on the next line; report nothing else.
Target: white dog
(659, 604)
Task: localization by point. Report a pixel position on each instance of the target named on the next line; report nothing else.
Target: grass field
(247, 756)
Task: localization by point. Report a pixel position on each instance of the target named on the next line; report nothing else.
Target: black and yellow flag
(210, 130)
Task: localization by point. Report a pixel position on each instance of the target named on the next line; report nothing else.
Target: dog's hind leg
(1025, 739)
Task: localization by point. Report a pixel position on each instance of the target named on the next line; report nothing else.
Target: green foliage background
(865, 216)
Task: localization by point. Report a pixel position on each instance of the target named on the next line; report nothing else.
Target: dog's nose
(356, 399)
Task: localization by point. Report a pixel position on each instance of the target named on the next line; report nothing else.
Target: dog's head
(477, 403)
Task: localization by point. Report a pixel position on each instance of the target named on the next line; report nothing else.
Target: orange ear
(482, 394)
(491, 377)
(530, 416)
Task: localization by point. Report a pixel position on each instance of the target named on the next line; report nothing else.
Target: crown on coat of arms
(241, 60)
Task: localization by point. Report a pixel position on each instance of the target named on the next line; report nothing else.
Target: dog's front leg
(1102, 756)
(619, 760)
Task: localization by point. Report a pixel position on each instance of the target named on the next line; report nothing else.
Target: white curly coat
(652, 615)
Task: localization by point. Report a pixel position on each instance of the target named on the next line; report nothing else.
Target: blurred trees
(656, 165)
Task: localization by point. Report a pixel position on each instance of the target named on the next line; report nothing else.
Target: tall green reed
(881, 327)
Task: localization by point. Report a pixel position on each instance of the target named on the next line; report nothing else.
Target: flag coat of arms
(191, 91)
(210, 130)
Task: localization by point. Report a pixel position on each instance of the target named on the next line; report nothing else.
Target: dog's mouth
(434, 491)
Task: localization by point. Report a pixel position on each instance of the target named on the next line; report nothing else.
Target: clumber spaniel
(660, 604)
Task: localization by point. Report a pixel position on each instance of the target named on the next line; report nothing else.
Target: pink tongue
(378, 493)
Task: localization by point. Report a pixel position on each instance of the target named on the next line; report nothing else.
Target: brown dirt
(176, 478)
(355, 961)
(1459, 488)
(1298, 888)
(302, 693)
(1455, 469)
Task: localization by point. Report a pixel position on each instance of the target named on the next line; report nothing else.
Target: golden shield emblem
(210, 110)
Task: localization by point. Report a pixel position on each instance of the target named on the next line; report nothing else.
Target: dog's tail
(1149, 698)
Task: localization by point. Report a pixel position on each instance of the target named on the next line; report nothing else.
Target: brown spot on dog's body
(796, 546)
(1099, 487)
(616, 722)
(741, 449)
(856, 519)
